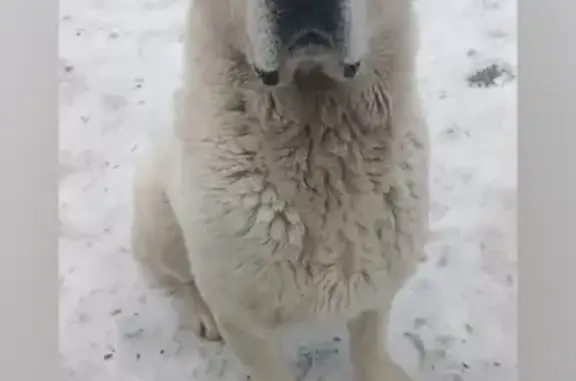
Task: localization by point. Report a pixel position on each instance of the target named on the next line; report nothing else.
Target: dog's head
(284, 39)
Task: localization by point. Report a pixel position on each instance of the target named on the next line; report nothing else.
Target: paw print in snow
(495, 74)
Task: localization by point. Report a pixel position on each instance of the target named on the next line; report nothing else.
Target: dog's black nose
(301, 23)
(350, 70)
(269, 78)
(310, 38)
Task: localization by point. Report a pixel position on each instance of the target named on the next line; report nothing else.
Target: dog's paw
(203, 325)
(193, 314)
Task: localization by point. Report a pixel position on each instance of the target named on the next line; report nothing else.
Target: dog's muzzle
(307, 28)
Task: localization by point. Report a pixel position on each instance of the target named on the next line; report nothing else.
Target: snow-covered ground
(119, 65)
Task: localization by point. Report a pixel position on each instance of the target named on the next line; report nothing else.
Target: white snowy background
(455, 321)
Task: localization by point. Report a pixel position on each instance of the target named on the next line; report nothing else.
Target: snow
(455, 321)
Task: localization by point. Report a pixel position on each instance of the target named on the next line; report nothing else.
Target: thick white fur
(264, 208)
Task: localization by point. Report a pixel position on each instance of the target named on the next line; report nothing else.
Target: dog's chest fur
(302, 187)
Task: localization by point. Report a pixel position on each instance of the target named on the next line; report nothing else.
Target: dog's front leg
(368, 351)
(259, 350)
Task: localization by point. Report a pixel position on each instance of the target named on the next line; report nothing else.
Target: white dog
(293, 187)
